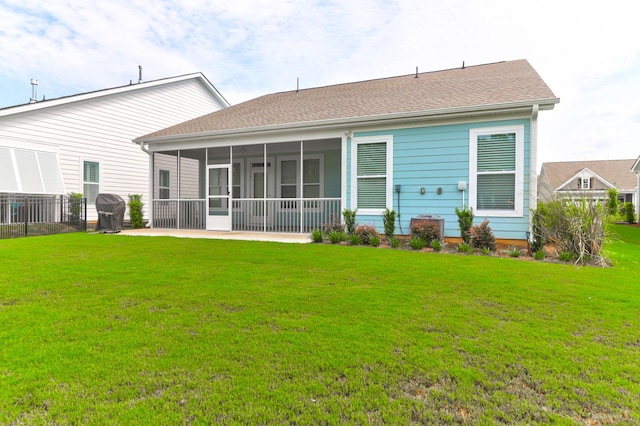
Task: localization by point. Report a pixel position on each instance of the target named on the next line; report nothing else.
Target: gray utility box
(430, 218)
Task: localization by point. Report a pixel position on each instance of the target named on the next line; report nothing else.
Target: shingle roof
(475, 86)
(616, 172)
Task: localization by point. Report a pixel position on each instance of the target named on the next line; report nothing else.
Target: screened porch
(279, 187)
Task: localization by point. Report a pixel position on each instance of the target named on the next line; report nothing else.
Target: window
(91, 179)
(371, 170)
(311, 183)
(584, 183)
(496, 170)
(164, 185)
(289, 180)
(236, 179)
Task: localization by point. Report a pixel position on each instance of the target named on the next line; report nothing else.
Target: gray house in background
(590, 179)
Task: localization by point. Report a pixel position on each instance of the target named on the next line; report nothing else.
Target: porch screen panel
(288, 181)
(8, 179)
(50, 169)
(496, 165)
(29, 171)
(371, 175)
(311, 178)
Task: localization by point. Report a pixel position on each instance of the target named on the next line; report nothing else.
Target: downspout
(150, 212)
(533, 160)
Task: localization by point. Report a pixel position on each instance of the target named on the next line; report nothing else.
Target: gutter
(525, 107)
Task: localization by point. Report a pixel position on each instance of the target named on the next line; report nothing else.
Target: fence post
(84, 225)
(26, 216)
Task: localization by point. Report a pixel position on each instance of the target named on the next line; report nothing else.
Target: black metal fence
(24, 216)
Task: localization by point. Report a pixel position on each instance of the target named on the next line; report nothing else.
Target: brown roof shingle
(475, 86)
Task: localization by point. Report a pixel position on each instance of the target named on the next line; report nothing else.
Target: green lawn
(100, 329)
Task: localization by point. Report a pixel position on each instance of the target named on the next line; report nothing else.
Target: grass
(112, 329)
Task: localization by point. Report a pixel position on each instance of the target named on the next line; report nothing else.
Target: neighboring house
(418, 144)
(82, 143)
(591, 179)
(636, 169)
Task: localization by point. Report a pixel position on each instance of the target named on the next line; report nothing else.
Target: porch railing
(22, 216)
(249, 214)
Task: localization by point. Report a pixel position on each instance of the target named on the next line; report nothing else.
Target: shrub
(577, 226)
(349, 220)
(514, 252)
(465, 220)
(486, 251)
(75, 206)
(417, 243)
(428, 231)
(135, 210)
(436, 245)
(354, 239)
(334, 225)
(482, 236)
(537, 237)
(316, 236)
(365, 232)
(628, 211)
(538, 255)
(565, 256)
(612, 201)
(464, 248)
(336, 236)
(374, 240)
(394, 242)
(389, 221)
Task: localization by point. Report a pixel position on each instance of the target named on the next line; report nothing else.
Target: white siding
(102, 129)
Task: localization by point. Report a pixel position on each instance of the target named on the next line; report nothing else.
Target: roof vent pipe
(139, 74)
(34, 91)
(416, 72)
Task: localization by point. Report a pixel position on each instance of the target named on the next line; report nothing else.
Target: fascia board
(445, 113)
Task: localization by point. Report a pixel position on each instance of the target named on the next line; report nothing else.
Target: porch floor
(219, 235)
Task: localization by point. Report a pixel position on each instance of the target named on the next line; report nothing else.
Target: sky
(588, 52)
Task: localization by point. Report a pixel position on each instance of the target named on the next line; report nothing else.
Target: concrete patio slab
(219, 235)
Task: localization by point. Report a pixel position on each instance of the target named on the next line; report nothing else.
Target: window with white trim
(289, 185)
(164, 185)
(496, 170)
(584, 183)
(372, 171)
(91, 180)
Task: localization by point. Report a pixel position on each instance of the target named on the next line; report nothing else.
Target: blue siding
(438, 157)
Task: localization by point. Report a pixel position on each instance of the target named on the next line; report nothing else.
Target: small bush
(464, 248)
(539, 255)
(486, 251)
(514, 252)
(349, 220)
(436, 245)
(417, 243)
(336, 237)
(389, 221)
(135, 210)
(316, 236)
(394, 242)
(354, 239)
(365, 232)
(374, 240)
(482, 236)
(612, 201)
(334, 225)
(428, 231)
(465, 220)
(628, 211)
(565, 256)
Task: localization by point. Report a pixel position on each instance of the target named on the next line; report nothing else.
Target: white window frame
(582, 183)
(388, 139)
(518, 210)
(299, 178)
(240, 184)
(161, 188)
(99, 183)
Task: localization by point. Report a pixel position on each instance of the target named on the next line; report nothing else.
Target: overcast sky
(588, 52)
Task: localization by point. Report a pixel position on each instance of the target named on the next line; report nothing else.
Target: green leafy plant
(349, 220)
(135, 210)
(565, 256)
(336, 237)
(75, 206)
(374, 240)
(436, 245)
(365, 232)
(334, 225)
(354, 239)
(465, 220)
(486, 251)
(539, 255)
(417, 243)
(426, 230)
(482, 236)
(464, 248)
(628, 211)
(394, 242)
(537, 236)
(612, 201)
(514, 252)
(316, 236)
(389, 221)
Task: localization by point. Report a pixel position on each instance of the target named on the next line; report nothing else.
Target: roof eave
(435, 114)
